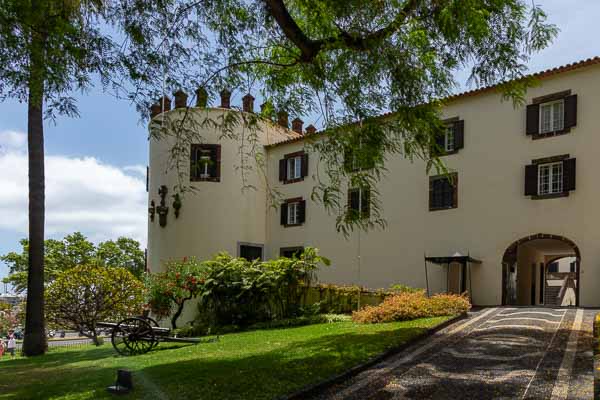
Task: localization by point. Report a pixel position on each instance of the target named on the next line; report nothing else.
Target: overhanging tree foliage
(347, 63)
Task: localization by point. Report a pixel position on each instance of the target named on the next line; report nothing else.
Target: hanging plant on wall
(152, 210)
(162, 209)
(176, 204)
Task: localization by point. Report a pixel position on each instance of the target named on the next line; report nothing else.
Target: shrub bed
(234, 291)
(412, 305)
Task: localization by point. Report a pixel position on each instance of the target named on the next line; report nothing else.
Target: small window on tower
(205, 162)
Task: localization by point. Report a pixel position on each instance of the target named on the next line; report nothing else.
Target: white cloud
(82, 194)
(12, 140)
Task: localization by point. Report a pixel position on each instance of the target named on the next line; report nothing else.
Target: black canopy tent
(464, 261)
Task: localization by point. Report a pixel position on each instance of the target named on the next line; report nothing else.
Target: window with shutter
(361, 158)
(551, 115)
(550, 177)
(250, 252)
(293, 167)
(359, 203)
(291, 252)
(443, 192)
(205, 163)
(293, 212)
(452, 139)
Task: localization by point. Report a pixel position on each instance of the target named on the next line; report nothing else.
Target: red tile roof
(539, 75)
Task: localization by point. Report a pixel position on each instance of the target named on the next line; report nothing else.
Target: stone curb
(596, 358)
(315, 388)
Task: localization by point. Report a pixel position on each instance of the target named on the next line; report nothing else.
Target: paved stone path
(498, 353)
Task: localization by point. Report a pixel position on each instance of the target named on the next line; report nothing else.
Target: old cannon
(139, 335)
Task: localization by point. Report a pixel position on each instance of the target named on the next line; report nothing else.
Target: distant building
(12, 300)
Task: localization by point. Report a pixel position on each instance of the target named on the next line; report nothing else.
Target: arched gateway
(541, 269)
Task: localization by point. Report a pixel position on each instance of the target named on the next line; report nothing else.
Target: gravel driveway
(498, 353)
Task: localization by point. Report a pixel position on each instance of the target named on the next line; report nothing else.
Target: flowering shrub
(8, 321)
(82, 296)
(411, 305)
(182, 281)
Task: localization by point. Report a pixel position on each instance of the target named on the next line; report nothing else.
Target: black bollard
(124, 383)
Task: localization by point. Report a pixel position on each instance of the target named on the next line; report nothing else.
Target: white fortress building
(519, 225)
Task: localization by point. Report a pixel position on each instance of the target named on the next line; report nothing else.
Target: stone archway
(509, 267)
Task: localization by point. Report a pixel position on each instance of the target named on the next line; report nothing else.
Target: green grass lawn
(249, 365)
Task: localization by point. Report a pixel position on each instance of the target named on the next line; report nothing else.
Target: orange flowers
(407, 306)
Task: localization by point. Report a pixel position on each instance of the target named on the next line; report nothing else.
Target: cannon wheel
(133, 336)
(155, 324)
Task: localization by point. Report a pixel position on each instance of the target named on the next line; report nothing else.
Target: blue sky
(96, 163)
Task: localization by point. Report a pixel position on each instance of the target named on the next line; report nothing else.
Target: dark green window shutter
(533, 119)
(282, 169)
(194, 162)
(302, 211)
(304, 165)
(568, 174)
(284, 211)
(570, 111)
(215, 161)
(431, 193)
(440, 142)
(366, 203)
(531, 180)
(353, 199)
(459, 135)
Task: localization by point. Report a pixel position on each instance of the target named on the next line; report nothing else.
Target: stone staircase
(551, 296)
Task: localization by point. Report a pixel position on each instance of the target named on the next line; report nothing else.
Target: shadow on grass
(218, 373)
(275, 372)
(59, 357)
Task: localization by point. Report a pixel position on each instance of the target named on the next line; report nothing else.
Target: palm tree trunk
(34, 342)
